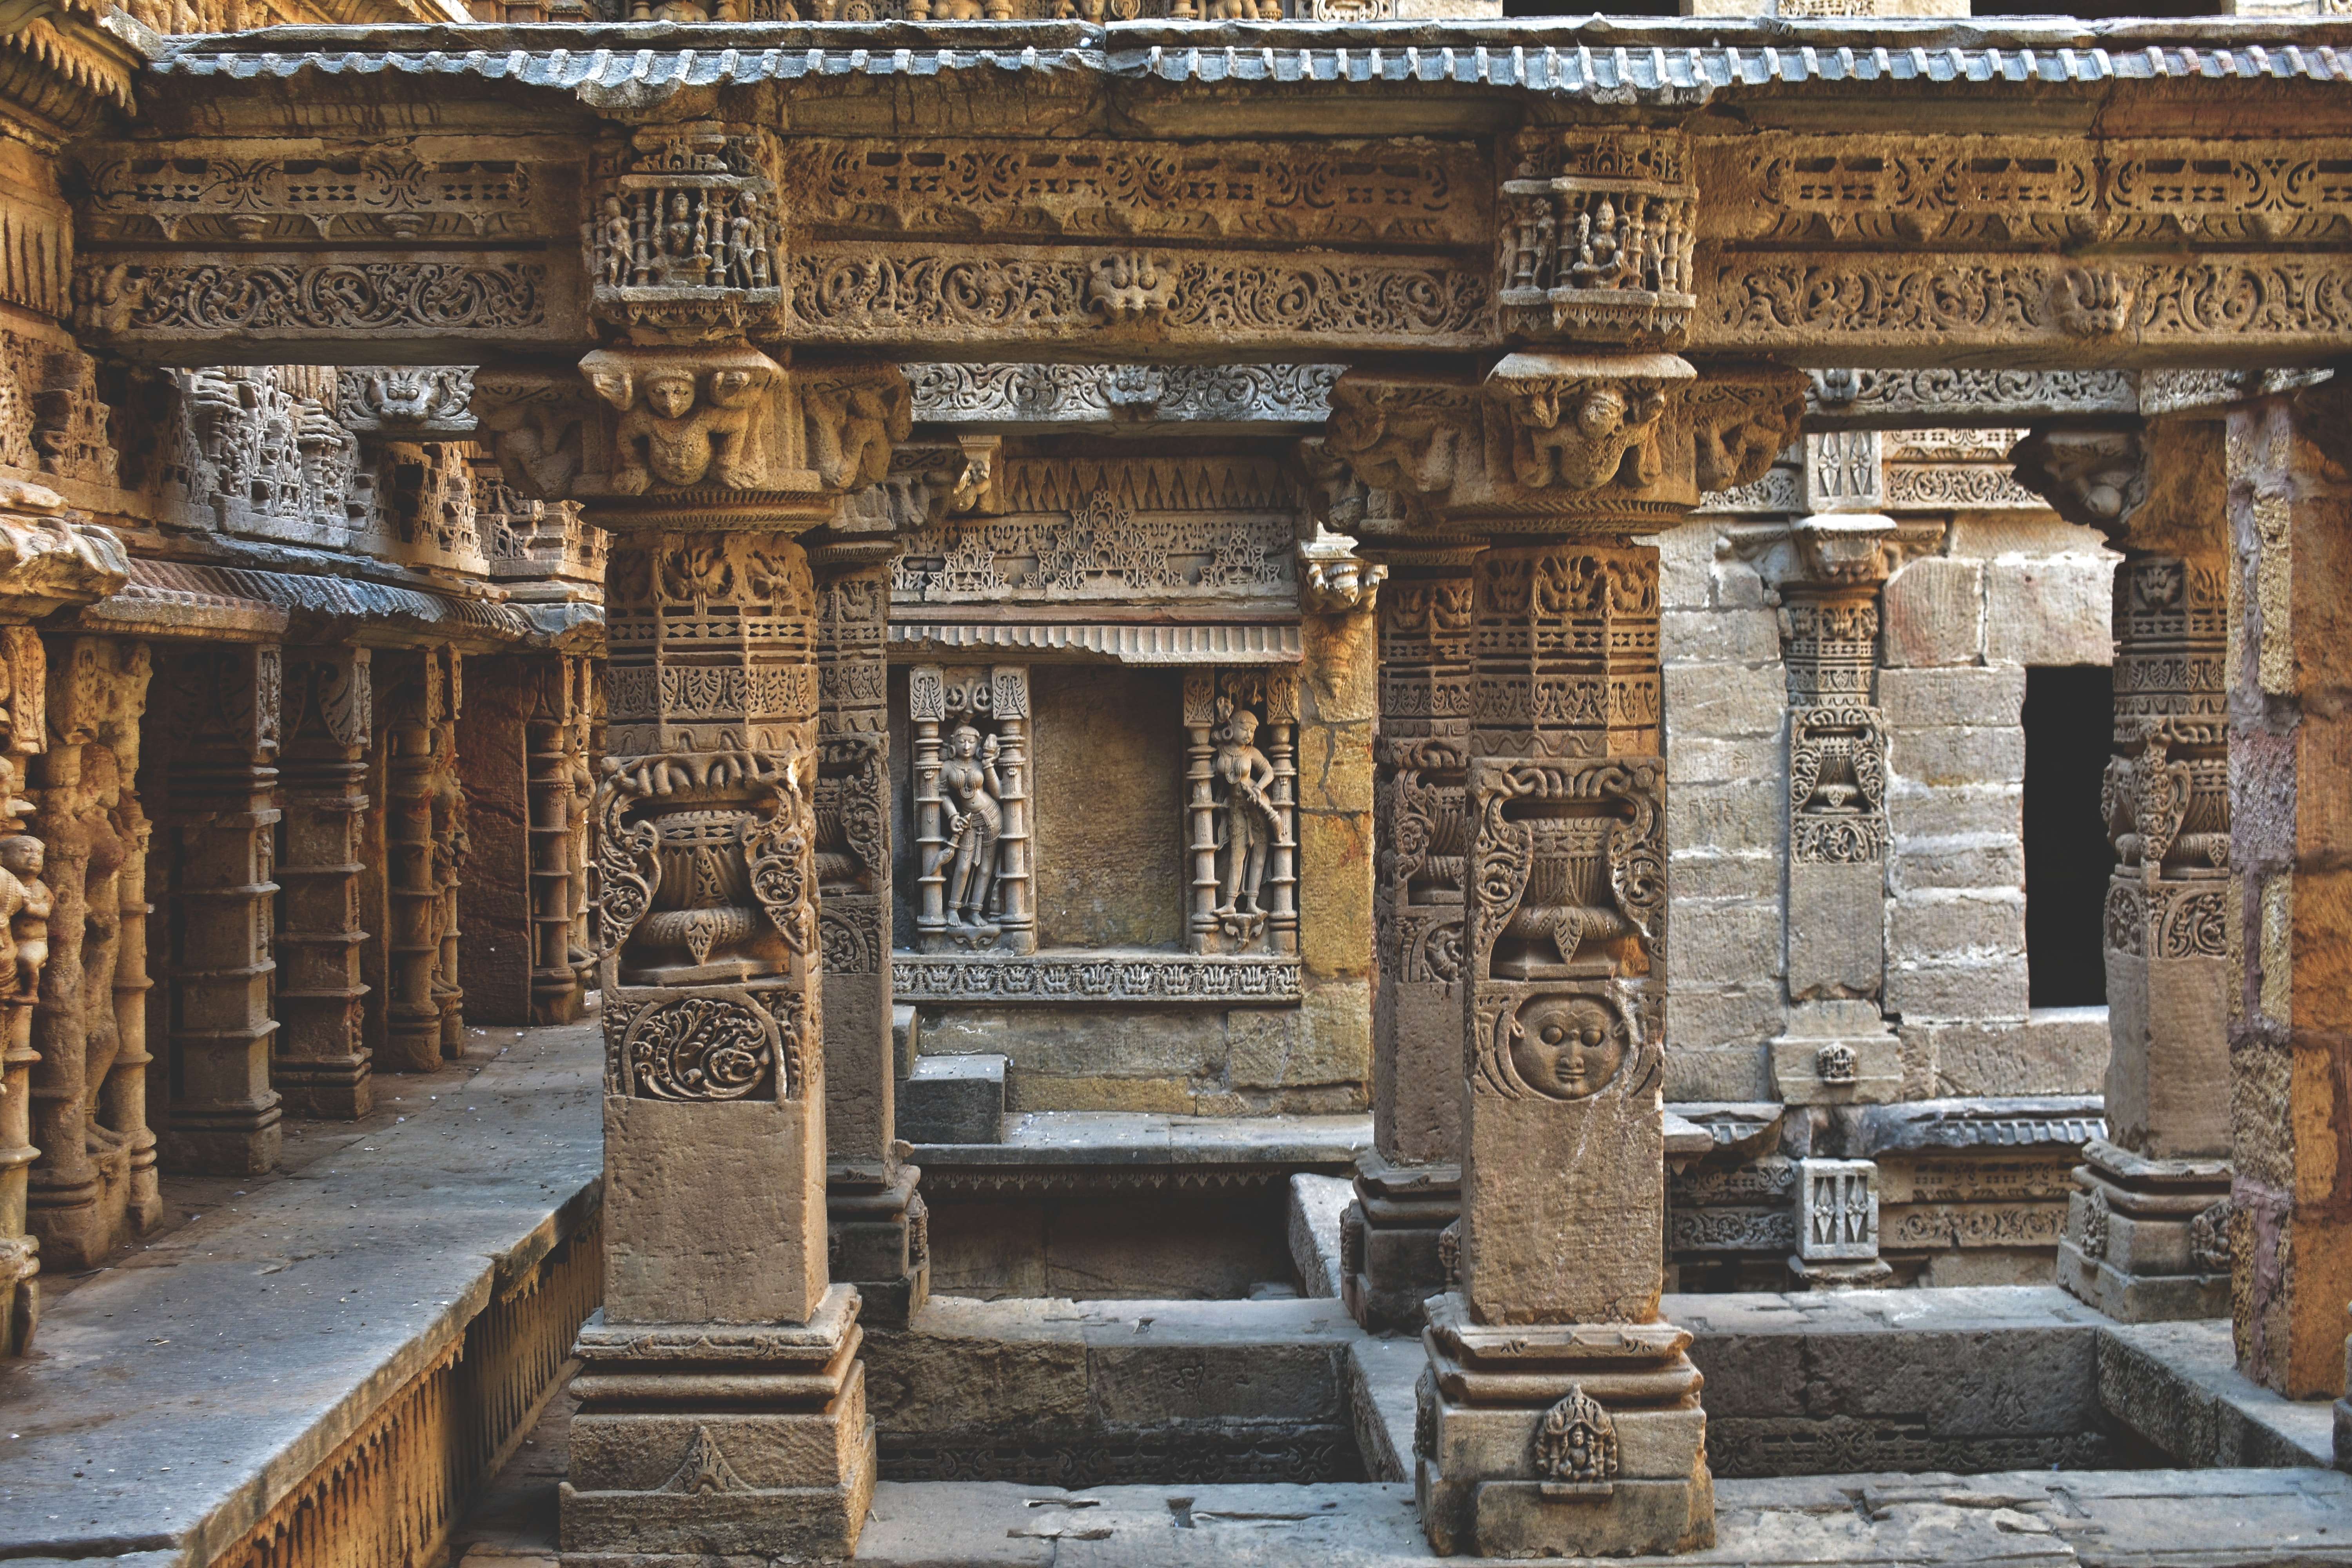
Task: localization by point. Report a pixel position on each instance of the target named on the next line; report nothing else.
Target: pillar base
(1868, 1274)
(79, 1225)
(20, 1293)
(241, 1142)
(331, 1088)
(2148, 1241)
(878, 1241)
(1837, 1053)
(1388, 1240)
(702, 1440)
(1560, 1439)
(412, 1040)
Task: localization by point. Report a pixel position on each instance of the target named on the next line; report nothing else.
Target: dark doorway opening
(2069, 730)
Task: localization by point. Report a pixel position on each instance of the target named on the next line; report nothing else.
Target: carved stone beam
(437, 247)
(1945, 398)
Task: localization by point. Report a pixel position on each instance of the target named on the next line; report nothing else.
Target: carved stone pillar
(521, 742)
(222, 705)
(560, 788)
(87, 1195)
(874, 1216)
(1409, 1183)
(723, 1408)
(452, 847)
(2147, 1232)
(1558, 1414)
(322, 1065)
(416, 701)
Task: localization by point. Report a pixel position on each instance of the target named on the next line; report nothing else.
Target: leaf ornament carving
(627, 872)
(779, 853)
(1506, 856)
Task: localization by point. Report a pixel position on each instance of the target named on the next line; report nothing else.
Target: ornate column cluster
(321, 1064)
(1558, 1414)
(221, 708)
(95, 1186)
(876, 1220)
(2148, 1230)
(723, 1403)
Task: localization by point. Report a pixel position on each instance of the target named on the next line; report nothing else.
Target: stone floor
(181, 1389)
(177, 1392)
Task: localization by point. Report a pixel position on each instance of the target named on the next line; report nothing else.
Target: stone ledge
(207, 1380)
(2179, 1387)
(1047, 1150)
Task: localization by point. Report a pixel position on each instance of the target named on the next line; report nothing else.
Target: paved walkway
(177, 1393)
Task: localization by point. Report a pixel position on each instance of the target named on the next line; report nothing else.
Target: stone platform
(340, 1349)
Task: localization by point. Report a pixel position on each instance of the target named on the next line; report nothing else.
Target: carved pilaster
(221, 772)
(873, 1212)
(1408, 1187)
(84, 1198)
(322, 1065)
(706, 463)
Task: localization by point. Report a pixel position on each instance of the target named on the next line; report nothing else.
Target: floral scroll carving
(712, 1045)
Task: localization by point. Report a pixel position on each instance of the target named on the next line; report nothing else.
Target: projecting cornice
(1870, 195)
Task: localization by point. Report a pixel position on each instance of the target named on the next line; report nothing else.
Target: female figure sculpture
(975, 820)
(1244, 775)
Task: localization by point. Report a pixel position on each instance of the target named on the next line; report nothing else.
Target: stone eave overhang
(1463, 72)
(186, 600)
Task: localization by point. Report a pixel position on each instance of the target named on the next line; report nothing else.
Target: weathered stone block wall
(1727, 822)
(1960, 628)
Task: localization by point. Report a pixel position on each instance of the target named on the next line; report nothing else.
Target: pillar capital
(707, 438)
(1588, 442)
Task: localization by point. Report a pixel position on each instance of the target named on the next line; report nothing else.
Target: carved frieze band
(1095, 977)
(1102, 394)
(1278, 193)
(201, 299)
(1971, 191)
(1992, 301)
(845, 294)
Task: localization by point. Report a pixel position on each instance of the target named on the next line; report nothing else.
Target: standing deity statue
(975, 821)
(618, 247)
(1243, 776)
